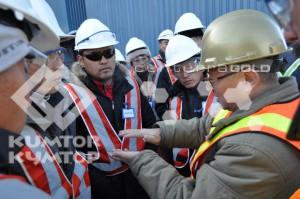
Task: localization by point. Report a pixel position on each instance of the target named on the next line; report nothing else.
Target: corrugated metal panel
(76, 13)
(59, 8)
(147, 18)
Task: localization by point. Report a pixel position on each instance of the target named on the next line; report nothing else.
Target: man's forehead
(99, 49)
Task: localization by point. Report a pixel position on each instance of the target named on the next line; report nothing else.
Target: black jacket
(113, 109)
(191, 102)
(191, 107)
(8, 165)
(123, 185)
(164, 80)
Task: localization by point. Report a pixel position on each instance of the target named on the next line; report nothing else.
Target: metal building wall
(76, 13)
(59, 8)
(147, 18)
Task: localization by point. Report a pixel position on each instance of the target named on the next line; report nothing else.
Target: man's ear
(252, 77)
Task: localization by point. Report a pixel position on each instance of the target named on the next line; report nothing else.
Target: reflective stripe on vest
(80, 179)
(209, 101)
(15, 177)
(133, 99)
(12, 186)
(100, 129)
(172, 77)
(180, 155)
(296, 195)
(292, 68)
(43, 171)
(273, 120)
(159, 65)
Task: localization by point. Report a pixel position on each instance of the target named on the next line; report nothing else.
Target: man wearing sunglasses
(116, 103)
(243, 151)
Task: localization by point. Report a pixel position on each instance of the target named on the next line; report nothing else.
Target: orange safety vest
(159, 65)
(44, 172)
(209, 101)
(157, 60)
(181, 156)
(100, 129)
(273, 120)
(296, 195)
(172, 77)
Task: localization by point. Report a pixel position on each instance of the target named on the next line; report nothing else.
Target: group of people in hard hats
(213, 115)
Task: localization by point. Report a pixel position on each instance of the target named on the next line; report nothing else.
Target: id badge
(128, 113)
(151, 103)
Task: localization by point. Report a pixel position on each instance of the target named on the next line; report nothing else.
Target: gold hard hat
(241, 36)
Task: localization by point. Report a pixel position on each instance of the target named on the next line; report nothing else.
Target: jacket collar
(287, 90)
(119, 82)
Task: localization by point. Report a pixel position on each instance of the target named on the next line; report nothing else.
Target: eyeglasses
(141, 59)
(212, 82)
(97, 56)
(56, 52)
(147, 67)
(188, 66)
(36, 57)
(281, 10)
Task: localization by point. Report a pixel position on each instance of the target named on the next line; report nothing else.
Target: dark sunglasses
(97, 56)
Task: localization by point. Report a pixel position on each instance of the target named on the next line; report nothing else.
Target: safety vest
(44, 172)
(158, 60)
(209, 101)
(292, 68)
(172, 77)
(181, 156)
(159, 65)
(296, 195)
(273, 120)
(12, 186)
(100, 129)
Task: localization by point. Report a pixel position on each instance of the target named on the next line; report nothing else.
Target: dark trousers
(121, 186)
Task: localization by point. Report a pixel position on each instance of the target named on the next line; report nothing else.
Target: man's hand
(151, 136)
(124, 156)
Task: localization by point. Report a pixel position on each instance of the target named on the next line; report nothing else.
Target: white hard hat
(92, 34)
(136, 47)
(134, 43)
(179, 49)
(46, 37)
(166, 34)
(187, 21)
(46, 13)
(119, 56)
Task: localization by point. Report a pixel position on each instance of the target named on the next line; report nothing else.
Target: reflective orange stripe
(209, 101)
(280, 112)
(287, 109)
(35, 174)
(296, 195)
(172, 77)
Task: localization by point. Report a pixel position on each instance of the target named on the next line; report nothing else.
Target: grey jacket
(248, 165)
